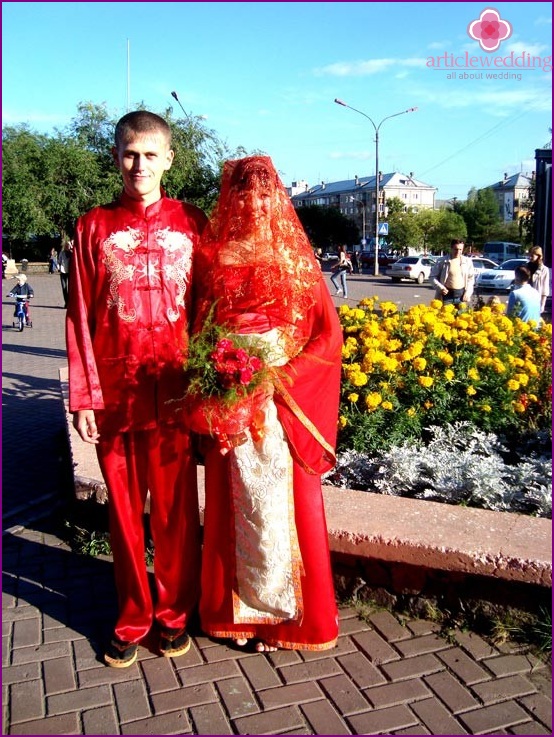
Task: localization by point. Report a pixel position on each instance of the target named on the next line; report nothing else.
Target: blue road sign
(383, 228)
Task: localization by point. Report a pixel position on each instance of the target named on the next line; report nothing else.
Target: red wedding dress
(266, 570)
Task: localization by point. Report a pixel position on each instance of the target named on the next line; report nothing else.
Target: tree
(327, 227)
(403, 228)
(481, 215)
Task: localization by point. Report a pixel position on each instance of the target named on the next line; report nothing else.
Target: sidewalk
(58, 608)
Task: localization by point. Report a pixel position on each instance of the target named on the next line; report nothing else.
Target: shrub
(405, 371)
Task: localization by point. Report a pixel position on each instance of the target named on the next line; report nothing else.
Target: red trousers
(158, 461)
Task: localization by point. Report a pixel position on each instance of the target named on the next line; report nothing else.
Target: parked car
(416, 268)
(501, 278)
(330, 257)
(480, 264)
(385, 259)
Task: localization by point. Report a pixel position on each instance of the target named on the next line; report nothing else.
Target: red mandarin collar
(139, 208)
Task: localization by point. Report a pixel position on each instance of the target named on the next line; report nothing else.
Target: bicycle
(21, 314)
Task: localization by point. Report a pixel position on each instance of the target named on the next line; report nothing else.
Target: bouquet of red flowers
(227, 383)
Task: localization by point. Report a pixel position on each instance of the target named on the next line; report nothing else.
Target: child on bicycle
(22, 288)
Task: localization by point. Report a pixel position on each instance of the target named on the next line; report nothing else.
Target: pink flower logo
(489, 29)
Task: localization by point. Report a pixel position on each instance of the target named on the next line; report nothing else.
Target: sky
(265, 76)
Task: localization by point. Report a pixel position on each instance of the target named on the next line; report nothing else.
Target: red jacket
(128, 313)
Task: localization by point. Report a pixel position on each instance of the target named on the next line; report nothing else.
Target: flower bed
(407, 374)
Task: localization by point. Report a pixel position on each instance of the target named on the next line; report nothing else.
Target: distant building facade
(355, 198)
(512, 195)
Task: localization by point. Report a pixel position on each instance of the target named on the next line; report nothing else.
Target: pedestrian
(266, 575)
(357, 261)
(4, 264)
(454, 276)
(341, 268)
(318, 253)
(540, 275)
(63, 265)
(53, 261)
(128, 313)
(524, 301)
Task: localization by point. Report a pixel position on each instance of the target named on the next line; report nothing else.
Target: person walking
(64, 261)
(127, 318)
(341, 268)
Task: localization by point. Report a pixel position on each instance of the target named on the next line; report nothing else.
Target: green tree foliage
(49, 180)
(327, 227)
(481, 215)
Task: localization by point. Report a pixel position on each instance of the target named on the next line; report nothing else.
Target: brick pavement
(383, 678)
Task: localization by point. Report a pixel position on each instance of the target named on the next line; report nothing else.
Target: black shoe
(120, 654)
(174, 642)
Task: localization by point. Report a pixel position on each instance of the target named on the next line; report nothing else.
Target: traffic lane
(404, 294)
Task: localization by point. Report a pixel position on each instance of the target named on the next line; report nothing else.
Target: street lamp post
(376, 128)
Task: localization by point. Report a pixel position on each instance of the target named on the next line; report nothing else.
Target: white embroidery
(123, 264)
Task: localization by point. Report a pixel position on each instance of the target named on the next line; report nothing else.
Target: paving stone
(259, 673)
(507, 665)
(210, 719)
(182, 698)
(540, 707)
(502, 689)
(297, 693)
(323, 718)
(40, 653)
(131, 700)
(310, 671)
(419, 665)
(375, 647)
(383, 721)
(397, 693)
(389, 627)
(532, 728)
(344, 694)
(277, 721)
(495, 717)
(159, 674)
(475, 645)
(467, 670)
(62, 724)
(361, 670)
(173, 723)
(422, 645)
(456, 696)
(237, 697)
(59, 675)
(102, 720)
(26, 701)
(437, 718)
(27, 632)
(210, 672)
(21, 673)
(81, 699)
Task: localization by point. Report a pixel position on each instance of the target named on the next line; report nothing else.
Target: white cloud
(364, 68)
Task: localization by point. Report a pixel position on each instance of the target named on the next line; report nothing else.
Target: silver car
(501, 278)
(415, 268)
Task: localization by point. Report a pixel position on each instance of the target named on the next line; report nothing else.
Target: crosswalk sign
(383, 229)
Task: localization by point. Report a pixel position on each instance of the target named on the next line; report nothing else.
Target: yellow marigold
(449, 374)
(471, 391)
(411, 412)
(343, 422)
(388, 308)
(428, 404)
(358, 378)
(522, 378)
(513, 385)
(353, 397)
(532, 397)
(389, 364)
(425, 381)
(473, 374)
(445, 358)
(373, 400)
(486, 408)
(436, 304)
(387, 405)
(518, 407)
(419, 364)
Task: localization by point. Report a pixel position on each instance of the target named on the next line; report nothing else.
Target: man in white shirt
(454, 276)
